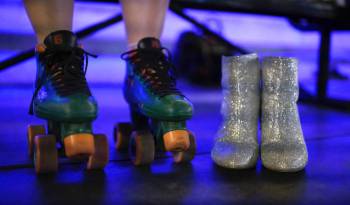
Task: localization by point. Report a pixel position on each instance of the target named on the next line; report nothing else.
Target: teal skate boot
(158, 110)
(63, 98)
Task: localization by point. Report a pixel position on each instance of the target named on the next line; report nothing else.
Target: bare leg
(143, 18)
(47, 16)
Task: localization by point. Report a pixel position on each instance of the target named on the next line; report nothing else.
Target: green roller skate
(158, 110)
(63, 98)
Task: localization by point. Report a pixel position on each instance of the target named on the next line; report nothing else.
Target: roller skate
(158, 110)
(63, 98)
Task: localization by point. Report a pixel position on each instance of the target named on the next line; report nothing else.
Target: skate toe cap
(235, 155)
(82, 106)
(74, 107)
(284, 157)
(170, 107)
(177, 106)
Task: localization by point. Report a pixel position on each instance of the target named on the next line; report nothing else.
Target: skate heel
(176, 140)
(78, 145)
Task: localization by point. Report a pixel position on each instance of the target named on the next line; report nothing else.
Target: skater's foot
(150, 85)
(62, 97)
(61, 91)
(156, 104)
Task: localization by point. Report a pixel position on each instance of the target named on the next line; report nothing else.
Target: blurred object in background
(197, 56)
(342, 3)
(335, 73)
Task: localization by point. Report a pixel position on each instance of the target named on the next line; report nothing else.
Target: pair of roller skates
(63, 98)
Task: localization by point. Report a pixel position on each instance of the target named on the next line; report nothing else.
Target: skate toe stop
(176, 140)
(79, 144)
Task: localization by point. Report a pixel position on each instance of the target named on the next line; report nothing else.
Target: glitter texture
(282, 143)
(236, 145)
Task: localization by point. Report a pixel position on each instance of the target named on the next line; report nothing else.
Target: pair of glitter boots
(62, 97)
(247, 89)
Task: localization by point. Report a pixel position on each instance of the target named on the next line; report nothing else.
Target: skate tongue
(149, 43)
(62, 40)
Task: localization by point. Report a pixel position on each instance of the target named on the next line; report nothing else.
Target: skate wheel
(121, 134)
(79, 145)
(176, 140)
(188, 155)
(32, 131)
(141, 147)
(101, 156)
(45, 154)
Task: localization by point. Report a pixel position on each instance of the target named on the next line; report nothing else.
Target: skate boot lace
(155, 69)
(65, 71)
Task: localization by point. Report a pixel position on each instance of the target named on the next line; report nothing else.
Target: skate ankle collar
(40, 48)
(149, 43)
(62, 40)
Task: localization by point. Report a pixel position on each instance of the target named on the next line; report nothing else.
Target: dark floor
(326, 179)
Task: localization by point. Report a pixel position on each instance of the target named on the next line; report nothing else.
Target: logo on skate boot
(57, 39)
(155, 44)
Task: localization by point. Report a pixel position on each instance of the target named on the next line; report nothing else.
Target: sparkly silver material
(282, 143)
(236, 145)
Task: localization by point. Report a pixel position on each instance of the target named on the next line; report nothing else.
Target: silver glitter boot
(236, 146)
(282, 143)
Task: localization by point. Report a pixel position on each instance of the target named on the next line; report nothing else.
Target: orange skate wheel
(45, 154)
(142, 148)
(121, 134)
(188, 155)
(32, 131)
(176, 140)
(77, 145)
(101, 156)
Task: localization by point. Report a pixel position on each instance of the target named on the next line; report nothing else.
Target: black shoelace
(155, 69)
(65, 70)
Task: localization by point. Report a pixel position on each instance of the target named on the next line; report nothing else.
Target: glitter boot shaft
(282, 144)
(236, 146)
